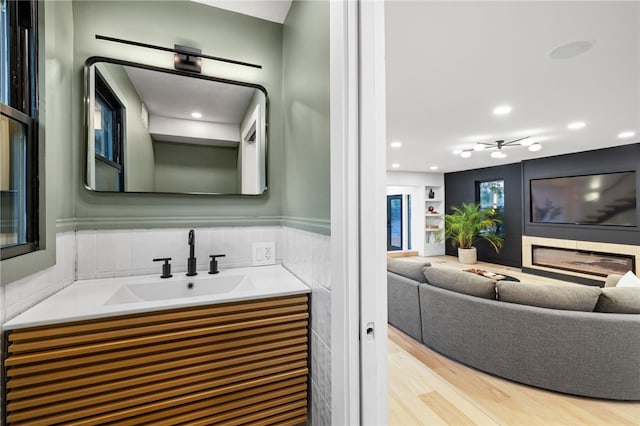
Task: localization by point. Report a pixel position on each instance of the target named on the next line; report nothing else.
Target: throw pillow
(629, 280)
(568, 297)
(619, 300)
(461, 282)
(411, 269)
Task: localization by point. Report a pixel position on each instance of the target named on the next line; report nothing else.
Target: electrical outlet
(263, 254)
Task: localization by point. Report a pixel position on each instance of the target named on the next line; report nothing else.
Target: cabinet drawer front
(204, 365)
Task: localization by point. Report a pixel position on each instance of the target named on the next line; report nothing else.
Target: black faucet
(191, 261)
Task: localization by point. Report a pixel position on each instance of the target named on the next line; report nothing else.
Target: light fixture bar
(480, 146)
(168, 49)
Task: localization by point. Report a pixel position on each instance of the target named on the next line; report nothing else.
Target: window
(490, 195)
(18, 124)
(109, 136)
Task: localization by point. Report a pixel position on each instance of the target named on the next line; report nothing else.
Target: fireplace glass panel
(583, 261)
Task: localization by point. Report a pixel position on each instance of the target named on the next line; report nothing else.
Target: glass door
(394, 222)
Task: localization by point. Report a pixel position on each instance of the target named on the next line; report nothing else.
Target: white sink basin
(180, 288)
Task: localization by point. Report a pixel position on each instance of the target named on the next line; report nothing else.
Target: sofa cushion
(461, 282)
(568, 297)
(408, 268)
(628, 280)
(619, 300)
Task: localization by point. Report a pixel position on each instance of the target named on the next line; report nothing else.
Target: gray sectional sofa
(574, 339)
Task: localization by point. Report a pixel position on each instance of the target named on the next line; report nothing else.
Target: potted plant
(468, 224)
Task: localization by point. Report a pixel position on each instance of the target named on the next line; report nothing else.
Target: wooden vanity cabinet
(232, 363)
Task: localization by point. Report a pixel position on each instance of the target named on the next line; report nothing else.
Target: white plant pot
(467, 256)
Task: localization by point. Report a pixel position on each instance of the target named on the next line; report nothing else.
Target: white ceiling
(176, 96)
(270, 10)
(450, 63)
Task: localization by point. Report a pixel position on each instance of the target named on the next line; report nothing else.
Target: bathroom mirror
(156, 130)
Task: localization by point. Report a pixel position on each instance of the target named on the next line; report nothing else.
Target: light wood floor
(426, 388)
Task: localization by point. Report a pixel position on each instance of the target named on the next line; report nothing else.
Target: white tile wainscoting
(116, 253)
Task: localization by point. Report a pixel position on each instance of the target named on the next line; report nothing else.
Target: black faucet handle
(166, 267)
(213, 264)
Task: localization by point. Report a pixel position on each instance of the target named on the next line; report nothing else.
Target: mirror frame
(95, 59)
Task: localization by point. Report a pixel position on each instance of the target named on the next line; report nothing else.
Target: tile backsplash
(18, 296)
(120, 253)
(308, 256)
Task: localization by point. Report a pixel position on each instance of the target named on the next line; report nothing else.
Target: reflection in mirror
(156, 130)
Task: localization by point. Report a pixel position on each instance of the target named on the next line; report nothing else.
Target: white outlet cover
(263, 254)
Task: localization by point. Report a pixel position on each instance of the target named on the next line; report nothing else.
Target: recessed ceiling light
(498, 154)
(572, 49)
(502, 110)
(626, 135)
(395, 144)
(478, 147)
(576, 125)
(395, 165)
(196, 114)
(465, 154)
(433, 167)
(535, 147)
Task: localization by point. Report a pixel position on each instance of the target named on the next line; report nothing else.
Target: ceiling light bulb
(465, 154)
(395, 165)
(535, 147)
(395, 144)
(196, 114)
(457, 152)
(502, 110)
(576, 125)
(527, 141)
(478, 147)
(498, 154)
(626, 135)
(433, 167)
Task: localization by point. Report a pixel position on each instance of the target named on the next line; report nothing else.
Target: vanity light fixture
(186, 58)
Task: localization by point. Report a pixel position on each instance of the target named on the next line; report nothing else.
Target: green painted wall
(216, 32)
(182, 167)
(306, 113)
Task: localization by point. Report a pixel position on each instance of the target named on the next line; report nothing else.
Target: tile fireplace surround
(584, 266)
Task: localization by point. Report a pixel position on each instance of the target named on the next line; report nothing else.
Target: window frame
(23, 108)
(105, 92)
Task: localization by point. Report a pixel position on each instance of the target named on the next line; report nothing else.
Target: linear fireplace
(583, 261)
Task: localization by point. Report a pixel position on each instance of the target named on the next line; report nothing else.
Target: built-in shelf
(434, 222)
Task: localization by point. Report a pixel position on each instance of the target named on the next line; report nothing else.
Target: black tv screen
(604, 199)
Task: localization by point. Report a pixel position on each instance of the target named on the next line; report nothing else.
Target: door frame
(358, 179)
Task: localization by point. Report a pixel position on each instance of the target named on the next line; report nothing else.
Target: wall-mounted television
(601, 199)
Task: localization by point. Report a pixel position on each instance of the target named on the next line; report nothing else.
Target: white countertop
(90, 299)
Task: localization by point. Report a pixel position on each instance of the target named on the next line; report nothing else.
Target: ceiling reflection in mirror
(156, 130)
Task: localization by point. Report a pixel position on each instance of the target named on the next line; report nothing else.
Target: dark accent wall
(609, 160)
(460, 187)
